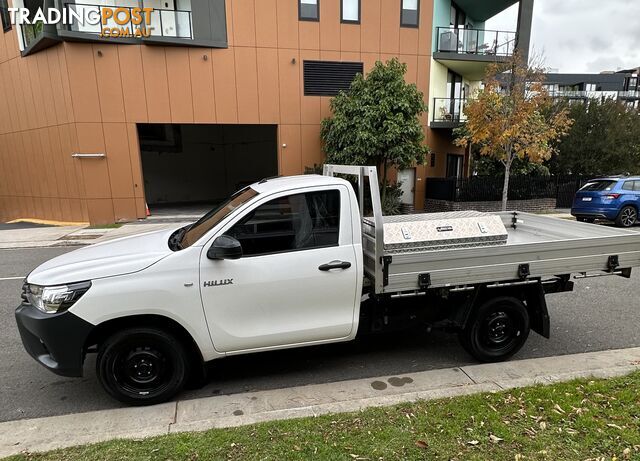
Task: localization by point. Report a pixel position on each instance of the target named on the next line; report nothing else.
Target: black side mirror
(225, 247)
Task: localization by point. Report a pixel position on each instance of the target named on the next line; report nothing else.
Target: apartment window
(308, 10)
(328, 78)
(410, 14)
(4, 16)
(433, 159)
(591, 87)
(350, 11)
(292, 223)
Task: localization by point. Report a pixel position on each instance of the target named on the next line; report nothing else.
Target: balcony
(469, 51)
(572, 95)
(165, 23)
(629, 94)
(448, 112)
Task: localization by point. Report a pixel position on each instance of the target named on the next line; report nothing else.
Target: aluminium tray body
(549, 246)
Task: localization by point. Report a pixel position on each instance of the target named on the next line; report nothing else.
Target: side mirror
(225, 247)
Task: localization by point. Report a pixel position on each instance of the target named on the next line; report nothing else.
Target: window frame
(249, 212)
(4, 6)
(301, 18)
(412, 26)
(350, 21)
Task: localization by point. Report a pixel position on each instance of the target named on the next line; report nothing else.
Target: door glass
(294, 222)
(628, 185)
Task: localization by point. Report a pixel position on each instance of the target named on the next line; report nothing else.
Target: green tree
(509, 119)
(377, 122)
(605, 139)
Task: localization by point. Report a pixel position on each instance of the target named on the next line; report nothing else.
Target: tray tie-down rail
(613, 268)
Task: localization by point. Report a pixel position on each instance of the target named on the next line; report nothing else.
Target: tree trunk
(505, 188)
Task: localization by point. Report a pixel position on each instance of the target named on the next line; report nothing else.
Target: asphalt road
(602, 313)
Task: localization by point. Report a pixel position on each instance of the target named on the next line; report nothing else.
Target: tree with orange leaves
(513, 117)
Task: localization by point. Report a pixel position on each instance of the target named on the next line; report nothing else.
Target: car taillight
(612, 196)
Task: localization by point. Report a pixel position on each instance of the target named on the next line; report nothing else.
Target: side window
(308, 10)
(628, 185)
(636, 186)
(294, 222)
(410, 13)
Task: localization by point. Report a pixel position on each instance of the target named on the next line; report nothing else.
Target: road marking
(11, 278)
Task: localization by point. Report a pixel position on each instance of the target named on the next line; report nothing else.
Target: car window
(290, 223)
(636, 186)
(595, 186)
(213, 217)
(628, 185)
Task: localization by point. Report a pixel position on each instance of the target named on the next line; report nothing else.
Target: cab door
(296, 281)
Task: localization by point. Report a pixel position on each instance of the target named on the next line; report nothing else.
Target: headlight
(54, 299)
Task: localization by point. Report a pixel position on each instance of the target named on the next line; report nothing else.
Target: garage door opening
(194, 167)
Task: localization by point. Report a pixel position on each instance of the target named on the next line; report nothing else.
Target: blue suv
(613, 198)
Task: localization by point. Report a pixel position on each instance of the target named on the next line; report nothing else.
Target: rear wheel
(627, 217)
(496, 330)
(142, 366)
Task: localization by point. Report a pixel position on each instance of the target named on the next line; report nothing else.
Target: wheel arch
(533, 297)
(105, 329)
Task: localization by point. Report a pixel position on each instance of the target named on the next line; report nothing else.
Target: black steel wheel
(496, 330)
(627, 217)
(142, 366)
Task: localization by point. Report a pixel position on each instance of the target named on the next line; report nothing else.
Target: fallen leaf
(473, 442)
(614, 426)
(495, 439)
(421, 444)
(543, 425)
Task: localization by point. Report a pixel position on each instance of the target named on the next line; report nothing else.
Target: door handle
(335, 265)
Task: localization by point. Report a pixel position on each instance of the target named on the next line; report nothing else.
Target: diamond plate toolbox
(438, 231)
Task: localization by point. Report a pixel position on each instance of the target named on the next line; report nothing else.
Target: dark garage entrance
(190, 164)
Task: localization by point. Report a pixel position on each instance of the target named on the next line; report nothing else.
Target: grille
(328, 78)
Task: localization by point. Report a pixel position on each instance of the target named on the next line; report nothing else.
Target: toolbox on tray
(438, 231)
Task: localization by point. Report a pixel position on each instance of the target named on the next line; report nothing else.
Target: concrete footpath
(74, 235)
(312, 400)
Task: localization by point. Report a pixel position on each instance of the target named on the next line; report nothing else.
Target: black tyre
(627, 217)
(496, 330)
(142, 366)
(585, 219)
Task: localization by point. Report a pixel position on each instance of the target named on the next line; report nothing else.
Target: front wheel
(497, 330)
(627, 217)
(142, 366)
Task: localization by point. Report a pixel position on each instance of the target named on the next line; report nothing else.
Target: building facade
(623, 86)
(215, 95)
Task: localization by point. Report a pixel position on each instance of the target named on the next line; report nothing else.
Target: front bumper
(56, 341)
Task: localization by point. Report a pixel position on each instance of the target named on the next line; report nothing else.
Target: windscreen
(211, 219)
(597, 186)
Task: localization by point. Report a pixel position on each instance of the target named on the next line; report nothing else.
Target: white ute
(297, 261)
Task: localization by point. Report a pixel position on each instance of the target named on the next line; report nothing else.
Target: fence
(486, 189)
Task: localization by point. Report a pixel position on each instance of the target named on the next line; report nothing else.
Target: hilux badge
(217, 283)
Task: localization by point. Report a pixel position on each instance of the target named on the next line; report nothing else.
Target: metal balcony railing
(164, 22)
(629, 94)
(476, 41)
(449, 110)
